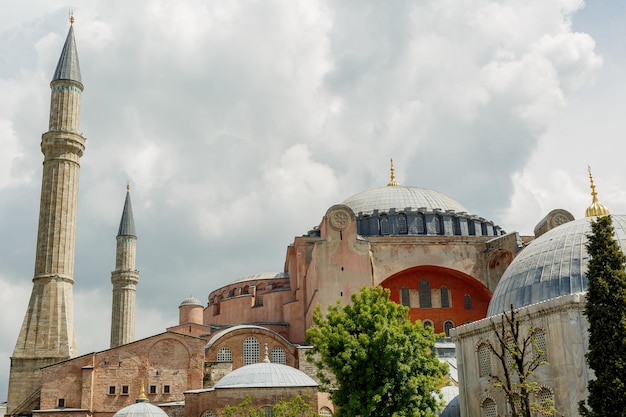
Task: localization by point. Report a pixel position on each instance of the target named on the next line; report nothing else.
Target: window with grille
(484, 360)
(540, 342)
(488, 408)
(278, 356)
(424, 294)
(208, 413)
(447, 326)
(546, 398)
(269, 412)
(445, 297)
(250, 351)
(325, 412)
(224, 355)
(402, 224)
(384, 225)
(467, 302)
(405, 297)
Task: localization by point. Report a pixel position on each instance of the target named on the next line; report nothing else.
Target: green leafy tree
(296, 407)
(374, 361)
(519, 355)
(606, 312)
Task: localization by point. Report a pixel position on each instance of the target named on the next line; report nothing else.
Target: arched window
(384, 225)
(424, 290)
(484, 360)
(208, 413)
(405, 299)
(445, 297)
(546, 398)
(269, 412)
(540, 344)
(224, 355)
(488, 408)
(250, 351)
(467, 302)
(427, 323)
(447, 326)
(325, 412)
(402, 227)
(278, 356)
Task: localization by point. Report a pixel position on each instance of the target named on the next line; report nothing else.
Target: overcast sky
(239, 123)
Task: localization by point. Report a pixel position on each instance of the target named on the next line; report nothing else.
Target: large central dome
(400, 198)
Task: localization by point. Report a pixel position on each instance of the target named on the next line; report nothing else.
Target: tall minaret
(47, 333)
(124, 279)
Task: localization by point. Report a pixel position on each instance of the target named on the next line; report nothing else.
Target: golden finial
(71, 17)
(266, 356)
(142, 393)
(128, 186)
(393, 182)
(596, 208)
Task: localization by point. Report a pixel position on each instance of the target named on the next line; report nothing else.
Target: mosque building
(451, 268)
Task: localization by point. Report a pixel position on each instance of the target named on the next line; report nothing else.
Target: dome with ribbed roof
(552, 265)
(141, 409)
(265, 375)
(191, 301)
(398, 197)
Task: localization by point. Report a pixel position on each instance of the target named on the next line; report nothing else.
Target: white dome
(265, 375)
(401, 197)
(141, 409)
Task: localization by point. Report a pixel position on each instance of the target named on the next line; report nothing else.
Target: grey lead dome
(265, 375)
(552, 265)
(401, 197)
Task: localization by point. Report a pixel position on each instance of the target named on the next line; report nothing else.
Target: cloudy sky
(239, 123)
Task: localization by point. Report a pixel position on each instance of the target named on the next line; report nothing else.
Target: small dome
(401, 197)
(265, 375)
(191, 301)
(141, 409)
(453, 409)
(552, 265)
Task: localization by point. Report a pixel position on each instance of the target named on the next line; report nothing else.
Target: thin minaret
(47, 333)
(124, 279)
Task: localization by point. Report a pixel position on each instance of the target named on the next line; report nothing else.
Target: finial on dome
(71, 17)
(393, 182)
(142, 394)
(596, 208)
(266, 356)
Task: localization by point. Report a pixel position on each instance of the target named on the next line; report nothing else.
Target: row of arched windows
(488, 405)
(251, 353)
(269, 412)
(484, 352)
(447, 325)
(425, 297)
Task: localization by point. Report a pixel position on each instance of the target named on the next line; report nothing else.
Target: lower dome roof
(552, 265)
(265, 375)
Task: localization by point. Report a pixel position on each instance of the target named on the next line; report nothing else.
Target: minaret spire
(596, 208)
(124, 278)
(47, 333)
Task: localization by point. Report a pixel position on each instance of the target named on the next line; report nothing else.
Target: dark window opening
(447, 326)
(61, 403)
(402, 227)
(445, 297)
(152, 389)
(384, 225)
(424, 290)
(124, 389)
(467, 302)
(166, 389)
(112, 390)
(405, 298)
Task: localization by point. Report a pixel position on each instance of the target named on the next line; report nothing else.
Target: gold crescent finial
(71, 17)
(142, 391)
(128, 185)
(596, 208)
(393, 182)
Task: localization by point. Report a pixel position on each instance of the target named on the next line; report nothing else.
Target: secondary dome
(265, 375)
(400, 197)
(552, 265)
(142, 408)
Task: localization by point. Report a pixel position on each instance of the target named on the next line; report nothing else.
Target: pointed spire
(68, 67)
(596, 208)
(127, 224)
(393, 182)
